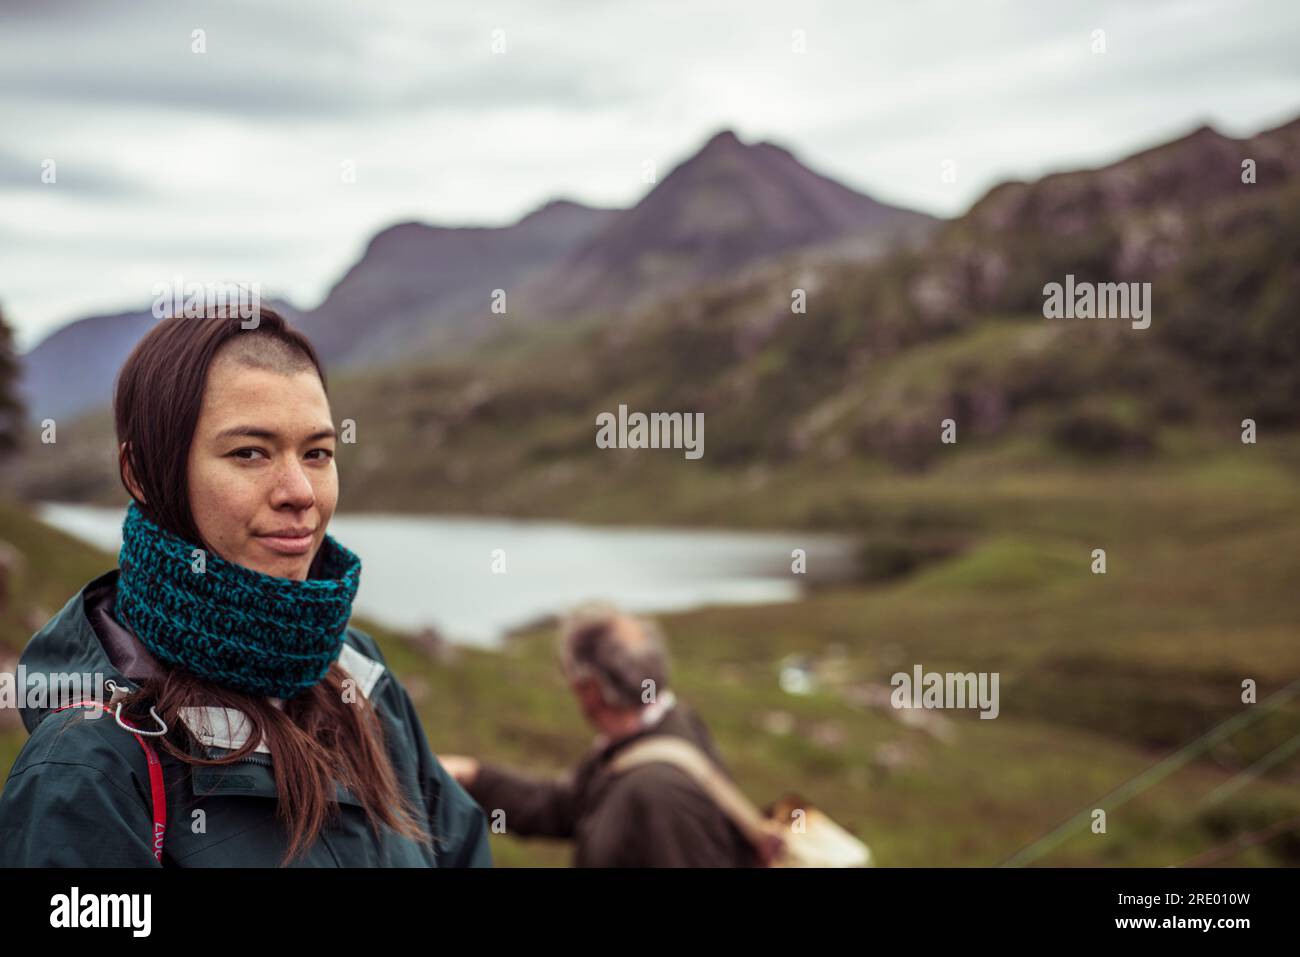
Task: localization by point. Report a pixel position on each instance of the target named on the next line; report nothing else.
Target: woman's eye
(247, 454)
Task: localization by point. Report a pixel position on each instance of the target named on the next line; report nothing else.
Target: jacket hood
(83, 648)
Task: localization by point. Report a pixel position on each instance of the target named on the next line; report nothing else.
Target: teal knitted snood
(229, 624)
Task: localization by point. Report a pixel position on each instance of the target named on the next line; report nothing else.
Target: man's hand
(464, 769)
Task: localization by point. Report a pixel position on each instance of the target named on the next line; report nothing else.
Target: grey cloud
(19, 173)
(273, 63)
(160, 243)
(247, 94)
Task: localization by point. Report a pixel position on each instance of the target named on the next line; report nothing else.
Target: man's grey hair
(626, 656)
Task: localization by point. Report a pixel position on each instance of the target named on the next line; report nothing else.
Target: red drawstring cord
(155, 780)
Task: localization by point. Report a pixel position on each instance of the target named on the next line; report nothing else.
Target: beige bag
(791, 835)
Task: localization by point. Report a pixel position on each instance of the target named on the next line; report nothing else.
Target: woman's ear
(128, 478)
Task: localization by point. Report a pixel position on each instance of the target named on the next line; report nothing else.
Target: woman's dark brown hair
(322, 735)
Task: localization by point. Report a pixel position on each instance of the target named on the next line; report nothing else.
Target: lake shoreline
(473, 581)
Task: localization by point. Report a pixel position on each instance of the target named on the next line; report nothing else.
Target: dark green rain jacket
(79, 794)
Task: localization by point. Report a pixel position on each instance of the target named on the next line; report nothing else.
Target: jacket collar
(85, 638)
(229, 728)
(654, 712)
(651, 715)
(136, 662)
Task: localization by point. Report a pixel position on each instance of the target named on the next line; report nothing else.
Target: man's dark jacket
(653, 815)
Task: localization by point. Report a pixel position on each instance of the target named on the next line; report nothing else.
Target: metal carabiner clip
(117, 713)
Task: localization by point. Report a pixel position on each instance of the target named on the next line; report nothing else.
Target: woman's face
(263, 484)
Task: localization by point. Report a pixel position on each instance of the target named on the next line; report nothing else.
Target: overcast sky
(227, 164)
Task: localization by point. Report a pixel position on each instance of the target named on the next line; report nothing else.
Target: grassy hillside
(1102, 676)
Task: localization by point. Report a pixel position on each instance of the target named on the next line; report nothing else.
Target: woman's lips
(286, 545)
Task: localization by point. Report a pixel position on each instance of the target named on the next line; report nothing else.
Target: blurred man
(652, 815)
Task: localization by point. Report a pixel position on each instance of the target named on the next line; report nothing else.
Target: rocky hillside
(432, 285)
(885, 350)
(729, 205)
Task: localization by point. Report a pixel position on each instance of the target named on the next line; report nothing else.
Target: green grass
(1102, 676)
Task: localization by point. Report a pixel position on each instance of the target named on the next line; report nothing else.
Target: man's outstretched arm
(533, 806)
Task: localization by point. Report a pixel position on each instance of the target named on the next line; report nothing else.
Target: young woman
(248, 724)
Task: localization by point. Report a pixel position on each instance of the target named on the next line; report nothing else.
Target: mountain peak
(723, 139)
(721, 209)
(1203, 133)
(560, 207)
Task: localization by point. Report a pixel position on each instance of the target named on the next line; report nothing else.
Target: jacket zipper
(255, 758)
(261, 759)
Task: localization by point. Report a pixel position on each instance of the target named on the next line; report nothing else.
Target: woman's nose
(294, 486)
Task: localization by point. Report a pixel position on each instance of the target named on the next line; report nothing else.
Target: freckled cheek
(222, 505)
(209, 487)
(326, 487)
(234, 487)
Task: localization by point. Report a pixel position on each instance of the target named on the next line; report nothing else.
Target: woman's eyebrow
(260, 433)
